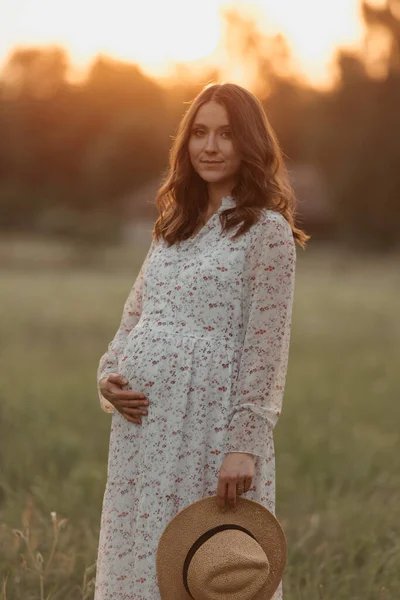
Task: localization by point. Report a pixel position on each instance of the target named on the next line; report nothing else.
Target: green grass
(337, 443)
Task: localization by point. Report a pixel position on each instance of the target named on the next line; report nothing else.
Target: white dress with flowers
(205, 336)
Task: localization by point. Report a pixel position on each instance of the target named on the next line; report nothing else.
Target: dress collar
(227, 202)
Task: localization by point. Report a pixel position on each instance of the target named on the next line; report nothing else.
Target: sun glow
(156, 34)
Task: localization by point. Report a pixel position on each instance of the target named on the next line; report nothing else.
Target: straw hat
(205, 554)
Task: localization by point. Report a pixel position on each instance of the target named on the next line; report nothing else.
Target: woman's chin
(210, 177)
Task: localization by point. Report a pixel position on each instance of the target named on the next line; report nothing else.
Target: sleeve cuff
(250, 433)
(104, 403)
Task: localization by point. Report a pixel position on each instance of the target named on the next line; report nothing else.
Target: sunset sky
(154, 32)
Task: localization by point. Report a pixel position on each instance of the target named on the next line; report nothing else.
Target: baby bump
(148, 362)
(173, 368)
(189, 383)
(140, 362)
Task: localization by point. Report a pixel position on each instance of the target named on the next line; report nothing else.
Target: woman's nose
(211, 142)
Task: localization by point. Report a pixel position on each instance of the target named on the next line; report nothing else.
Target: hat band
(200, 541)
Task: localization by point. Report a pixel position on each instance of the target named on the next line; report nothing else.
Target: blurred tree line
(69, 152)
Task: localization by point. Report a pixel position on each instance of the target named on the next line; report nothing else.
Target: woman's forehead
(212, 113)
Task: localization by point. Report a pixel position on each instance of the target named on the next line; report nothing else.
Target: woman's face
(211, 149)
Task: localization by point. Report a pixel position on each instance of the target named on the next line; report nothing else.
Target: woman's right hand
(130, 404)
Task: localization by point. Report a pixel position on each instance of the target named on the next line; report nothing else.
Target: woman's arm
(130, 316)
(264, 358)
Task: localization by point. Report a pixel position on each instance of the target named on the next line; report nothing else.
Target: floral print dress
(205, 336)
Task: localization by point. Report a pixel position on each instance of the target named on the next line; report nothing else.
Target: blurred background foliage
(72, 152)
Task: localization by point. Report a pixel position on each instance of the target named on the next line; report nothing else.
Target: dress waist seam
(214, 339)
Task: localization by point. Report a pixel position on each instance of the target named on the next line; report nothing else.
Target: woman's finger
(125, 395)
(247, 483)
(221, 494)
(240, 488)
(134, 412)
(232, 492)
(118, 379)
(139, 404)
(130, 418)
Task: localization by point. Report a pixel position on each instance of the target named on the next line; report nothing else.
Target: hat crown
(230, 565)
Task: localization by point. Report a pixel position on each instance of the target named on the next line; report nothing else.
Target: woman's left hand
(235, 478)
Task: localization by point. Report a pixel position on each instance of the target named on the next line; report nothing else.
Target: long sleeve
(264, 358)
(130, 316)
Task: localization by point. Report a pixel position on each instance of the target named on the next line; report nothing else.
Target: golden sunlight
(152, 34)
(155, 34)
(316, 28)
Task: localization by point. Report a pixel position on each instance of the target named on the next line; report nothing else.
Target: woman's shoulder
(272, 223)
(273, 233)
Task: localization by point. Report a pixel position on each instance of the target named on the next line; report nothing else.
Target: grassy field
(337, 443)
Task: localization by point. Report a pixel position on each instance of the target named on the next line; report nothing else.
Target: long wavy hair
(262, 179)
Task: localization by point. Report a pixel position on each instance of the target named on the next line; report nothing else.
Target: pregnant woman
(195, 375)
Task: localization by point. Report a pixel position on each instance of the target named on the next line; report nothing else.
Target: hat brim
(192, 521)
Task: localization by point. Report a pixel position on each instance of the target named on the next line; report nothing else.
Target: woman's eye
(200, 132)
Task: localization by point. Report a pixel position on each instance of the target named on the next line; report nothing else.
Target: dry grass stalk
(38, 561)
(4, 587)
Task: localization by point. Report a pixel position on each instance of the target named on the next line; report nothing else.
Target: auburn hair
(263, 180)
